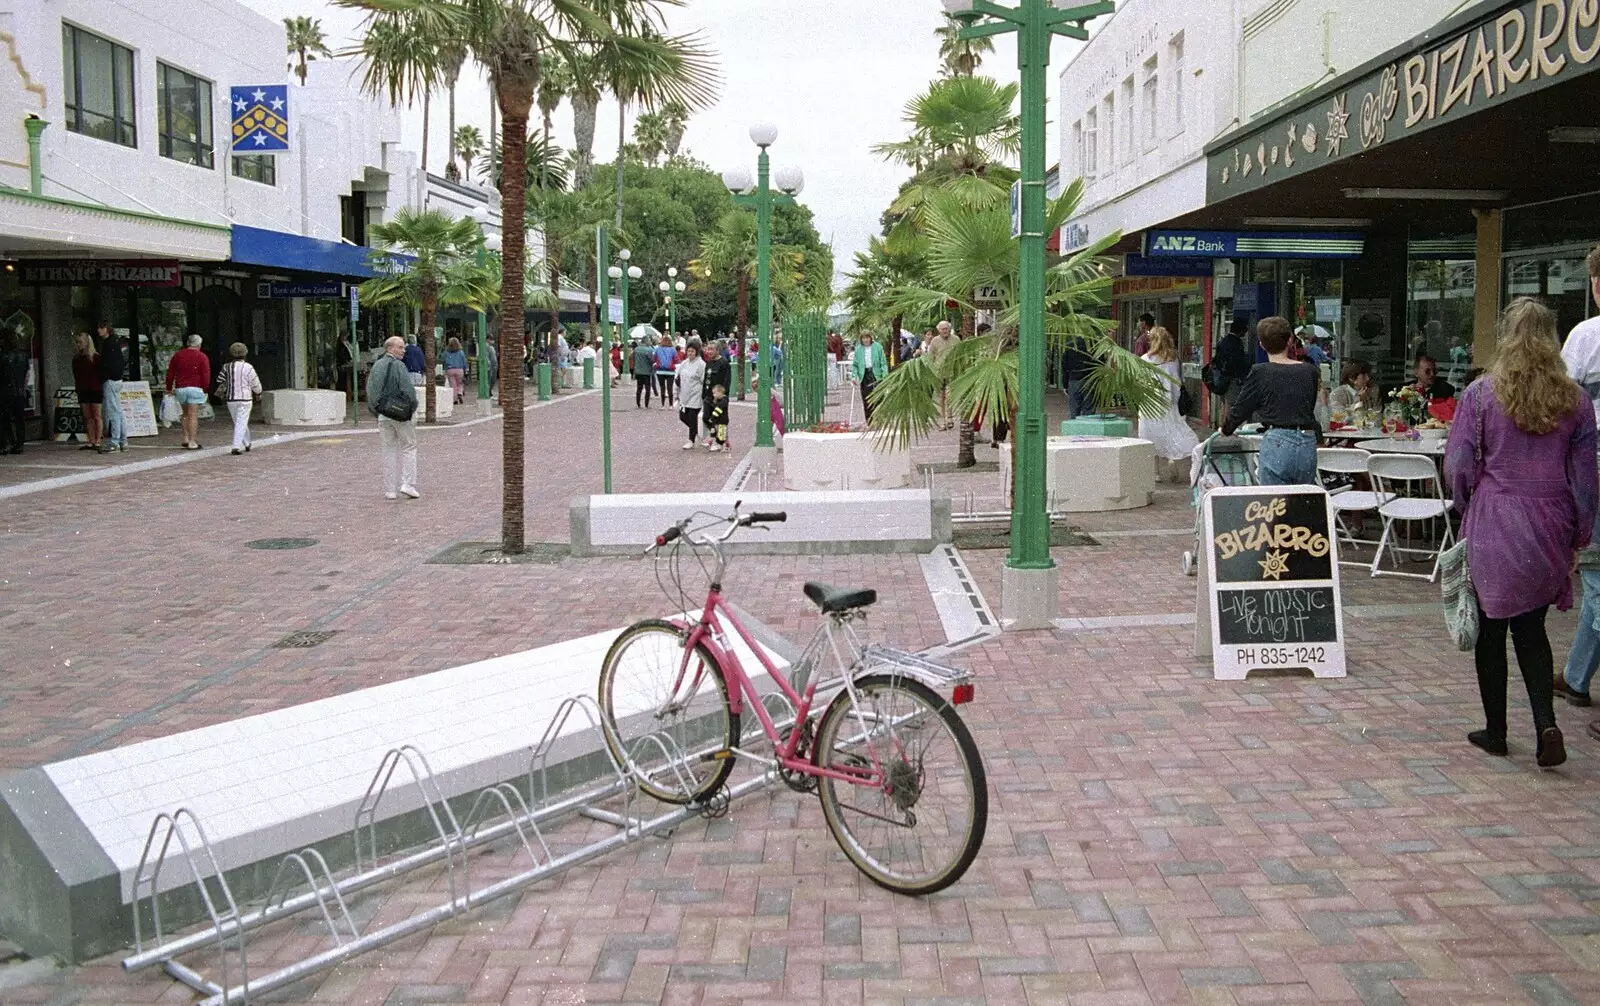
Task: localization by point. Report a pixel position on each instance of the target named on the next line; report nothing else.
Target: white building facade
(130, 207)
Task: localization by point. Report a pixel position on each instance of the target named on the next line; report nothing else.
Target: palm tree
(451, 59)
(547, 164)
(555, 85)
(730, 249)
(960, 58)
(971, 248)
(509, 39)
(306, 43)
(585, 98)
(650, 134)
(439, 268)
(675, 116)
(469, 144)
(879, 270)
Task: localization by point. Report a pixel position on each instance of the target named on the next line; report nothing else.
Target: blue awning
(278, 250)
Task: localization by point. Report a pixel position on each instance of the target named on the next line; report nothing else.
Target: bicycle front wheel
(917, 828)
(666, 709)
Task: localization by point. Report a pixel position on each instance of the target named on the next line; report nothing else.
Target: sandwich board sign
(1268, 596)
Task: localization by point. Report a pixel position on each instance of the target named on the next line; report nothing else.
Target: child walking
(717, 419)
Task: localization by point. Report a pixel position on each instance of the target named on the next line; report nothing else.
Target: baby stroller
(1216, 461)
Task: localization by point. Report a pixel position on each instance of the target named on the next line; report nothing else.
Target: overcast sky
(833, 76)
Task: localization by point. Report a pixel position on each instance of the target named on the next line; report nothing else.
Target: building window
(1179, 70)
(1077, 148)
(183, 116)
(261, 168)
(1150, 97)
(99, 86)
(1126, 128)
(1091, 143)
(1109, 115)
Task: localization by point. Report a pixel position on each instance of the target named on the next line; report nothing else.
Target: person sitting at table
(1355, 388)
(1428, 382)
(1281, 395)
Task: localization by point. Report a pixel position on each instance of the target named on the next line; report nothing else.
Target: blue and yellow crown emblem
(260, 118)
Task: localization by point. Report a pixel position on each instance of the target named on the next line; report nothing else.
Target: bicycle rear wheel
(663, 706)
(918, 830)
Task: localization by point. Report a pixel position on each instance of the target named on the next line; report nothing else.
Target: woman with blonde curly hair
(1521, 467)
(1165, 426)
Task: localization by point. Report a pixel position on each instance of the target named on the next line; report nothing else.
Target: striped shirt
(238, 382)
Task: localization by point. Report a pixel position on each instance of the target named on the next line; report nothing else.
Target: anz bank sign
(1246, 244)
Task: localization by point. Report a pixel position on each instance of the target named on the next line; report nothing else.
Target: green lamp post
(490, 243)
(1028, 597)
(622, 274)
(670, 288)
(760, 196)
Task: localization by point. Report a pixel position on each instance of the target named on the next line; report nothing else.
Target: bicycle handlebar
(734, 523)
(772, 517)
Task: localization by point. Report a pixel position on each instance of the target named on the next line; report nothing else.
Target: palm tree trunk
(513, 192)
(555, 311)
(583, 116)
(744, 320)
(965, 435)
(430, 311)
(894, 340)
(301, 69)
(427, 103)
(622, 138)
(494, 132)
(452, 135)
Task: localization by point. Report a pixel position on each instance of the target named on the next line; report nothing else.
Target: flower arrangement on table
(1413, 406)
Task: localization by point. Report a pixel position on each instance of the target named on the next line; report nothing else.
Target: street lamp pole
(490, 242)
(1028, 599)
(761, 197)
(603, 275)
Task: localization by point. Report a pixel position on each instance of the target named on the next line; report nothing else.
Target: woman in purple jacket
(1528, 492)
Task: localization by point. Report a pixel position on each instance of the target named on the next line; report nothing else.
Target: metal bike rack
(497, 812)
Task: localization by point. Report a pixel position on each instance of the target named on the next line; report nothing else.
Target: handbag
(1455, 576)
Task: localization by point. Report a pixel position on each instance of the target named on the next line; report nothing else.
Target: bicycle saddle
(834, 599)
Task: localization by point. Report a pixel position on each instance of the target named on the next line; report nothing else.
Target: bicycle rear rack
(497, 812)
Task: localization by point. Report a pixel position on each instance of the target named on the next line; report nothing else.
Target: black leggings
(1532, 644)
(643, 383)
(666, 382)
(691, 419)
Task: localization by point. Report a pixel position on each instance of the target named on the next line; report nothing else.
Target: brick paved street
(1154, 836)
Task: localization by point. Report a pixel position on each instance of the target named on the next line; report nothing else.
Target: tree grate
(280, 544)
(488, 553)
(305, 640)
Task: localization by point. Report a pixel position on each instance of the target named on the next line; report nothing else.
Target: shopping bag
(171, 411)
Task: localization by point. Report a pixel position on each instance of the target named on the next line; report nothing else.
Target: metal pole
(483, 334)
(764, 298)
(1030, 518)
(602, 255)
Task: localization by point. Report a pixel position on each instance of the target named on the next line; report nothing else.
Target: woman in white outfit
(1166, 428)
(238, 385)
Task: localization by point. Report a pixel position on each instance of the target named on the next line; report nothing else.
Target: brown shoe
(1572, 695)
(1552, 749)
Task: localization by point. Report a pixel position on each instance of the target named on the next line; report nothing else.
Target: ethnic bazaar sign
(1523, 48)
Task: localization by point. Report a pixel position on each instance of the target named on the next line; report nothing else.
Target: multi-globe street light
(670, 288)
(490, 243)
(759, 195)
(622, 274)
(1028, 595)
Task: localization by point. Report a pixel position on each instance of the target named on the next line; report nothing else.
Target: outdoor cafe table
(1432, 447)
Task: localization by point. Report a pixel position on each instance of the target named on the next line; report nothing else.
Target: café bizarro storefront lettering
(1520, 49)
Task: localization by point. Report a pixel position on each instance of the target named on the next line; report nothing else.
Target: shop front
(1178, 304)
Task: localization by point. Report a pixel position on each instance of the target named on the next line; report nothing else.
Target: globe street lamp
(490, 243)
(669, 287)
(622, 274)
(1028, 595)
(760, 196)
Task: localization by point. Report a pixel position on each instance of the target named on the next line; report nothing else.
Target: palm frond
(905, 404)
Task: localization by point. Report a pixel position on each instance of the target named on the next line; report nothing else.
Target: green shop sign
(1521, 48)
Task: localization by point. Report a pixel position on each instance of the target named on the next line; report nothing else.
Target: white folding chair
(1407, 478)
(1347, 463)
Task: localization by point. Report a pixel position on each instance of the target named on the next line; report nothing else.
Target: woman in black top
(1281, 395)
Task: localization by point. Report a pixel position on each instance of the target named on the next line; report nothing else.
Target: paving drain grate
(949, 468)
(305, 640)
(280, 544)
(980, 536)
(487, 553)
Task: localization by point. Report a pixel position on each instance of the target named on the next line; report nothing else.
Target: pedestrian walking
(1521, 465)
(942, 342)
(493, 364)
(717, 418)
(112, 364)
(86, 381)
(868, 364)
(719, 371)
(1076, 365)
(188, 377)
(238, 385)
(1281, 394)
(644, 372)
(455, 369)
(1581, 354)
(416, 362)
(1230, 364)
(691, 377)
(13, 391)
(666, 358)
(1141, 341)
(393, 399)
(1165, 427)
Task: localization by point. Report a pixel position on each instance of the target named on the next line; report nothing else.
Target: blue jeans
(113, 410)
(1288, 458)
(1585, 655)
(1076, 404)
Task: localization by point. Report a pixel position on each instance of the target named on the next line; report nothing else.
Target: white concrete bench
(303, 407)
(1094, 474)
(820, 523)
(813, 461)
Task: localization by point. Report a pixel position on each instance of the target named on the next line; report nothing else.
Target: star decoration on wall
(1275, 564)
(1338, 124)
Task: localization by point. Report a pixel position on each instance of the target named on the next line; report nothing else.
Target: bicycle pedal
(722, 755)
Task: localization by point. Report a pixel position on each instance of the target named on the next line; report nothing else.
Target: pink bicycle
(899, 778)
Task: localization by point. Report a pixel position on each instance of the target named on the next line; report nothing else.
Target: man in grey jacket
(389, 395)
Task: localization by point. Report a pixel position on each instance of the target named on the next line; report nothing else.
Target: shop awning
(1495, 106)
(34, 226)
(296, 252)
